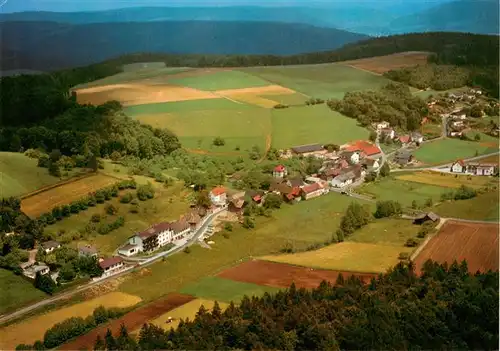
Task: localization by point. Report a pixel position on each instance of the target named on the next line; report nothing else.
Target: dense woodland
(437, 77)
(444, 308)
(393, 103)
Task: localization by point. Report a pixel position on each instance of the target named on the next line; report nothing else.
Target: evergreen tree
(110, 341)
(99, 344)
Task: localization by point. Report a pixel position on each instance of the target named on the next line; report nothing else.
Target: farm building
(382, 125)
(403, 157)
(111, 265)
(351, 157)
(218, 196)
(417, 137)
(404, 139)
(368, 149)
(343, 180)
(481, 169)
(87, 251)
(279, 171)
(309, 150)
(388, 133)
(30, 269)
(429, 216)
(370, 164)
(312, 190)
(50, 246)
(237, 202)
(255, 195)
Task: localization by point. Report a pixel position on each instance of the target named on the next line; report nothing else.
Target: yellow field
(346, 256)
(187, 310)
(252, 95)
(32, 329)
(446, 180)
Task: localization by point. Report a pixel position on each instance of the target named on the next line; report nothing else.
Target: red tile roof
(311, 188)
(461, 162)
(404, 139)
(364, 146)
(218, 191)
(279, 168)
(108, 262)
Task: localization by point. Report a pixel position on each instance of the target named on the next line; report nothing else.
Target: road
(147, 262)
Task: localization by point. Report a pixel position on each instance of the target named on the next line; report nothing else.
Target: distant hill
(49, 45)
(475, 16)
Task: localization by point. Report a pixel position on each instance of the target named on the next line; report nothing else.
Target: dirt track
(282, 275)
(477, 243)
(132, 320)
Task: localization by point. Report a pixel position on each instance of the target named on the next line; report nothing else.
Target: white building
(218, 196)
(280, 171)
(343, 180)
(388, 133)
(88, 251)
(417, 137)
(50, 246)
(111, 265)
(458, 167)
(382, 125)
(30, 269)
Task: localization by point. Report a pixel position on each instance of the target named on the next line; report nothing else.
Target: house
(481, 169)
(370, 164)
(50, 246)
(179, 229)
(387, 133)
(343, 179)
(293, 195)
(454, 134)
(417, 137)
(218, 196)
(351, 156)
(312, 190)
(87, 251)
(429, 216)
(364, 147)
(404, 139)
(403, 157)
(458, 114)
(236, 205)
(457, 124)
(296, 182)
(458, 167)
(30, 269)
(255, 195)
(111, 265)
(308, 150)
(193, 218)
(382, 125)
(280, 171)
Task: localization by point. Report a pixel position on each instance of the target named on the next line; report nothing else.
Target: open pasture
(446, 180)
(449, 150)
(37, 204)
(219, 80)
(132, 320)
(385, 231)
(474, 242)
(320, 81)
(494, 159)
(32, 329)
(16, 291)
(484, 207)
(283, 275)
(313, 124)
(382, 64)
(288, 99)
(20, 175)
(227, 290)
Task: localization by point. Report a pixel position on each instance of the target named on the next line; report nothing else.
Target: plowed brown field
(475, 242)
(283, 275)
(132, 320)
(382, 64)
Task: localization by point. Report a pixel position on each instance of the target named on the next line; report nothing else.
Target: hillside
(52, 45)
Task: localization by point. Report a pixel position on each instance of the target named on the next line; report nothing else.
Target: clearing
(220, 80)
(449, 150)
(20, 175)
(219, 289)
(32, 329)
(474, 242)
(37, 204)
(313, 124)
(484, 207)
(385, 231)
(346, 256)
(446, 180)
(132, 320)
(283, 275)
(16, 291)
(382, 64)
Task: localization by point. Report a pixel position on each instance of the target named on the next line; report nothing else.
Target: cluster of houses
(385, 131)
(474, 168)
(457, 123)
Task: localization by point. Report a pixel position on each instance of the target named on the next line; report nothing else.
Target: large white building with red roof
(368, 149)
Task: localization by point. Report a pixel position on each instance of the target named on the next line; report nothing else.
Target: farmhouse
(111, 265)
(296, 182)
(87, 251)
(343, 180)
(484, 169)
(279, 171)
(50, 246)
(218, 196)
(30, 269)
(458, 167)
(368, 149)
(237, 202)
(417, 137)
(312, 190)
(309, 150)
(351, 156)
(404, 139)
(403, 157)
(387, 133)
(255, 196)
(370, 164)
(429, 216)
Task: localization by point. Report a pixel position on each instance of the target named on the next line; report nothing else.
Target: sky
(8, 6)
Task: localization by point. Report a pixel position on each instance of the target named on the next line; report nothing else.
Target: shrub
(387, 209)
(280, 106)
(111, 210)
(248, 223)
(404, 256)
(225, 235)
(145, 192)
(96, 218)
(127, 198)
(228, 226)
(218, 141)
(411, 243)
(187, 250)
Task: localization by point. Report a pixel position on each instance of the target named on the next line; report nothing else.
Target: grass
(299, 225)
(168, 204)
(20, 175)
(221, 80)
(313, 124)
(320, 81)
(287, 99)
(16, 291)
(346, 256)
(32, 329)
(484, 207)
(485, 138)
(386, 231)
(219, 289)
(449, 150)
(446, 180)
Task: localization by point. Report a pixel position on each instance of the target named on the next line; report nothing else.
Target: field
(320, 81)
(131, 320)
(490, 159)
(168, 204)
(476, 243)
(20, 175)
(346, 256)
(283, 275)
(483, 207)
(313, 124)
(42, 202)
(449, 150)
(219, 289)
(288, 99)
(382, 64)
(446, 180)
(15, 291)
(220, 80)
(386, 231)
(32, 329)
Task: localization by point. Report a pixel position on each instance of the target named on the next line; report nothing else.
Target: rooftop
(311, 188)
(88, 249)
(111, 261)
(50, 244)
(307, 148)
(361, 145)
(279, 168)
(218, 191)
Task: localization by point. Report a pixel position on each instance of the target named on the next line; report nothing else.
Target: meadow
(221, 80)
(484, 207)
(287, 99)
(449, 150)
(320, 81)
(386, 231)
(16, 291)
(20, 175)
(313, 124)
(446, 180)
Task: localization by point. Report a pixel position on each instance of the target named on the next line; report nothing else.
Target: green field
(20, 175)
(313, 124)
(15, 291)
(449, 150)
(485, 138)
(299, 225)
(219, 289)
(320, 81)
(221, 80)
(386, 231)
(484, 207)
(287, 99)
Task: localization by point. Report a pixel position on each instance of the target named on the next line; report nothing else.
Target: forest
(393, 103)
(445, 307)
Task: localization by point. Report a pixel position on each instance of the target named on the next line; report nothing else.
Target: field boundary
(419, 249)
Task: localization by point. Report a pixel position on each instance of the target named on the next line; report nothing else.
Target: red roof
(218, 191)
(257, 198)
(108, 262)
(311, 188)
(364, 146)
(404, 139)
(461, 162)
(279, 168)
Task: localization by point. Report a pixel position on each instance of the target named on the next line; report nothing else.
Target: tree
(387, 209)
(111, 209)
(477, 137)
(273, 201)
(44, 283)
(124, 341)
(67, 272)
(99, 344)
(110, 341)
(145, 192)
(92, 163)
(248, 222)
(355, 217)
(373, 136)
(203, 199)
(414, 204)
(429, 202)
(218, 141)
(115, 156)
(55, 155)
(54, 169)
(385, 170)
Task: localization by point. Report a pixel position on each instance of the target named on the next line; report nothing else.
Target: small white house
(343, 180)
(417, 137)
(218, 196)
(87, 251)
(352, 157)
(481, 169)
(30, 269)
(458, 167)
(382, 125)
(111, 265)
(50, 246)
